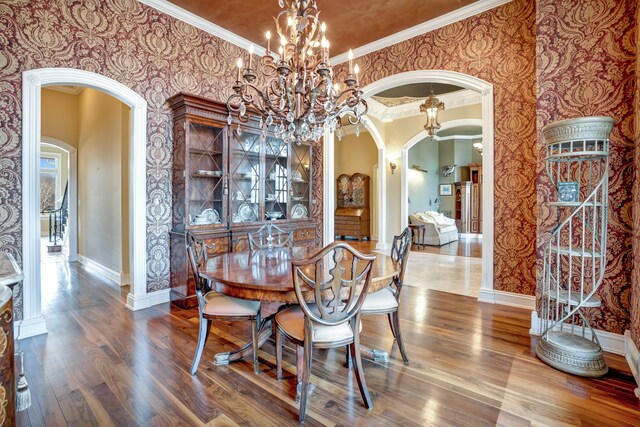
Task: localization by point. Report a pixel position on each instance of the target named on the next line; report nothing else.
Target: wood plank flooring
(472, 364)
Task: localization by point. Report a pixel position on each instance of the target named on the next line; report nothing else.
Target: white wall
(100, 165)
(423, 187)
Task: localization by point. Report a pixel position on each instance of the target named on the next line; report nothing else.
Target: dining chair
(215, 306)
(270, 236)
(387, 300)
(337, 278)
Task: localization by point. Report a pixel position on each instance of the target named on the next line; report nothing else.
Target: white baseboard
(613, 343)
(96, 267)
(29, 327)
(135, 303)
(125, 279)
(632, 355)
(507, 298)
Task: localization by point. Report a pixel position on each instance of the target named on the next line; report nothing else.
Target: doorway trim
(486, 90)
(72, 195)
(330, 179)
(404, 163)
(33, 322)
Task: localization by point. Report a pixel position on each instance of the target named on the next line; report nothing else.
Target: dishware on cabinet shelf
(274, 215)
(299, 211)
(296, 176)
(248, 212)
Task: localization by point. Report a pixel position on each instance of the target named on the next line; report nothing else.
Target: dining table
(265, 275)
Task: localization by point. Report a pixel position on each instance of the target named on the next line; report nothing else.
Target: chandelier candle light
(299, 96)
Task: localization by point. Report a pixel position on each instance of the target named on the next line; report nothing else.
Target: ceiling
(350, 23)
(418, 90)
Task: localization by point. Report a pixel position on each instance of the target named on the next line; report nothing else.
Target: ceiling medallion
(299, 96)
(431, 106)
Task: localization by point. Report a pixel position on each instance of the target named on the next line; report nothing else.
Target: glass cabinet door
(276, 179)
(300, 181)
(244, 177)
(205, 175)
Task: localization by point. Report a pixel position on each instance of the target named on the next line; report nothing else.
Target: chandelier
(299, 96)
(431, 106)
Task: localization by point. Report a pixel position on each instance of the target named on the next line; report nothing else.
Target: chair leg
(278, 354)
(359, 371)
(395, 326)
(348, 362)
(306, 373)
(392, 325)
(255, 326)
(205, 327)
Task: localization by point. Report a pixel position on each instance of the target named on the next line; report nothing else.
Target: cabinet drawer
(347, 228)
(304, 234)
(347, 222)
(217, 245)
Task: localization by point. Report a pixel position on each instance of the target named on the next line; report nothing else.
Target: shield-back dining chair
(387, 300)
(332, 276)
(270, 236)
(215, 306)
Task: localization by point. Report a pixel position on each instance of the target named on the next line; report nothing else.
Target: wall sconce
(393, 167)
(478, 146)
(418, 168)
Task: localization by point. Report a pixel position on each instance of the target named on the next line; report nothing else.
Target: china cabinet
(475, 202)
(230, 179)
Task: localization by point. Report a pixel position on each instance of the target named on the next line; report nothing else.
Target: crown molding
(457, 99)
(71, 90)
(207, 26)
(433, 24)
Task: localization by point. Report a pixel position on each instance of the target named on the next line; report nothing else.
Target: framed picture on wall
(446, 189)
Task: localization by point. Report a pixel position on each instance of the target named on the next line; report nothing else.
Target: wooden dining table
(266, 276)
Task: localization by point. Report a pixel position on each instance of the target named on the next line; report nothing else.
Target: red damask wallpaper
(154, 54)
(497, 46)
(586, 66)
(635, 279)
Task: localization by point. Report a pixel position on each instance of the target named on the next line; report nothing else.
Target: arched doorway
(482, 87)
(33, 322)
(73, 193)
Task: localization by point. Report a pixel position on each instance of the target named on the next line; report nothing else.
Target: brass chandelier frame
(299, 96)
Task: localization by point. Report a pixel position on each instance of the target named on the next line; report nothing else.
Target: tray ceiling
(350, 23)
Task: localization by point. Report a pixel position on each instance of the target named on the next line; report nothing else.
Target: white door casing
(32, 82)
(435, 76)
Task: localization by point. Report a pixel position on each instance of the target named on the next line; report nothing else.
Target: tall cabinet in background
(461, 208)
(475, 202)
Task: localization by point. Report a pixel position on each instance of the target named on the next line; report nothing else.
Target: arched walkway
(468, 82)
(33, 322)
(72, 196)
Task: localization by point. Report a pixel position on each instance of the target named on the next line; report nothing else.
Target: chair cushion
(291, 321)
(381, 300)
(222, 305)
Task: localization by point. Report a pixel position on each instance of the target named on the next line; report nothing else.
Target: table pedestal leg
(229, 356)
(378, 356)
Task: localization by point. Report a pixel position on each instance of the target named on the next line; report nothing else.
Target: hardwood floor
(472, 364)
(466, 246)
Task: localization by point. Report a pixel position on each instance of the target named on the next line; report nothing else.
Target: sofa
(433, 228)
